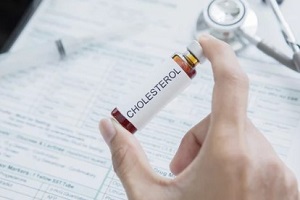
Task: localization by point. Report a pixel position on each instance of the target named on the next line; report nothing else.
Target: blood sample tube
(165, 84)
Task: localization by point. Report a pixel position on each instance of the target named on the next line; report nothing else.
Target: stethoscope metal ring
(221, 18)
(225, 14)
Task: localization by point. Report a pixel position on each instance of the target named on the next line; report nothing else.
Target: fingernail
(205, 36)
(107, 130)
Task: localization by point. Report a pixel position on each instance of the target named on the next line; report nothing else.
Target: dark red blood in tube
(123, 121)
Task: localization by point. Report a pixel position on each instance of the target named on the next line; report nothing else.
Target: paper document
(56, 50)
(50, 145)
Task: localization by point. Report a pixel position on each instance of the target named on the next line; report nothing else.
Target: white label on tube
(164, 85)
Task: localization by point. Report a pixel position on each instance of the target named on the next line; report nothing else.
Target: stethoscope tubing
(290, 62)
(269, 50)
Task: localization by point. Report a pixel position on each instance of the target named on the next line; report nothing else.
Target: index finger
(230, 94)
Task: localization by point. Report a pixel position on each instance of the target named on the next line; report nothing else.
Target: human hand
(224, 157)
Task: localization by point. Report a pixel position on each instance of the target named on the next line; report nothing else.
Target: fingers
(230, 95)
(129, 160)
(229, 103)
(189, 147)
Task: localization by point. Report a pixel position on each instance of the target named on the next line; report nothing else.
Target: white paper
(50, 146)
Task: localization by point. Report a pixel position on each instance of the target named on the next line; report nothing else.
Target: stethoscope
(235, 22)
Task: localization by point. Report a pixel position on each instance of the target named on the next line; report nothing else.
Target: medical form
(50, 145)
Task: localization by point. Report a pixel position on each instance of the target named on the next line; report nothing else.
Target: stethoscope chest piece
(221, 18)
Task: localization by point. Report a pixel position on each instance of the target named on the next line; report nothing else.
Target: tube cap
(197, 51)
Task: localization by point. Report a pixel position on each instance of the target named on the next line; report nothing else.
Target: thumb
(129, 160)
